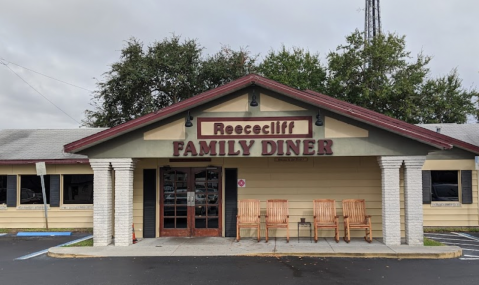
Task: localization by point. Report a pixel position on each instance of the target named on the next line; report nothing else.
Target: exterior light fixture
(318, 122)
(253, 103)
(188, 122)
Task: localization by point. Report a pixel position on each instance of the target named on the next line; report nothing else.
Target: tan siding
(466, 215)
(57, 217)
(300, 182)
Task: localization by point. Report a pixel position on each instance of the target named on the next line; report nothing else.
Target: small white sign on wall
(477, 162)
(41, 168)
(241, 183)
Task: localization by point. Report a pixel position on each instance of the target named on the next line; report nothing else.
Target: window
(3, 189)
(444, 185)
(31, 189)
(78, 189)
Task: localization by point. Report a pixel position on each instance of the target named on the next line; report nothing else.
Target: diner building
(180, 171)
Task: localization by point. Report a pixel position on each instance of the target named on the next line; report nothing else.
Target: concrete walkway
(219, 246)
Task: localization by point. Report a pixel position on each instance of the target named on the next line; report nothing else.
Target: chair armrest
(346, 217)
(337, 217)
(368, 216)
(287, 216)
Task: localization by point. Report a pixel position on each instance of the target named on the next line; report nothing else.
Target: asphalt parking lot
(13, 247)
(469, 242)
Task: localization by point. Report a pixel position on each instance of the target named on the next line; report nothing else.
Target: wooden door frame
(190, 230)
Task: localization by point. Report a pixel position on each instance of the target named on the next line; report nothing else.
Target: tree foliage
(384, 77)
(381, 76)
(297, 68)
(166, 72)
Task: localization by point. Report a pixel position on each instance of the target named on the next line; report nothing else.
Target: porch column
(123, 200)
(391, 211)
(413, 199)
(102, 202)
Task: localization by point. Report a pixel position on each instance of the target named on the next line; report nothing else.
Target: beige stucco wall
(32, 216)
(463, 216)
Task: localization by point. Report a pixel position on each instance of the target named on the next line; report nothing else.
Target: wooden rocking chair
(324, 211)
(354, 212)
(248, 216)
(277, 216)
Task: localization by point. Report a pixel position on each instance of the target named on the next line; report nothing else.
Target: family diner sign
(237, 136)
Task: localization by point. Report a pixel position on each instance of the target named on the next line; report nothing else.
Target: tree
(297, 68)
(167, 72)
(382, 76)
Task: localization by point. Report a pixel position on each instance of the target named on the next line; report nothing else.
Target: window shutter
(466, 183)
(11, 191)
(426, 187)
(231, 201)
(149, 203)
(54, 190)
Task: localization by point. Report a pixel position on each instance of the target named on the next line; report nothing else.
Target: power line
(44, 75)
(41, 94)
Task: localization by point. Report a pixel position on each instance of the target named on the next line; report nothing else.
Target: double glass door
(190, 202)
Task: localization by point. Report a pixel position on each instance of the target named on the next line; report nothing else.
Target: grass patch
(451, 229)
(430, 242)
(88, 242)
(81, 230)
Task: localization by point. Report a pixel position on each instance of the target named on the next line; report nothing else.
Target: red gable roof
(313, 98)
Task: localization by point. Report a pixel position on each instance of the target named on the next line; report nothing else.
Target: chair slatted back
(277, 211)
(248, 211)
(324, 210)
(355, 209)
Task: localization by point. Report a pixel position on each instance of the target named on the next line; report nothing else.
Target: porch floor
(219, 246)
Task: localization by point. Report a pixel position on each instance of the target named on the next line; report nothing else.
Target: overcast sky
(77, 41)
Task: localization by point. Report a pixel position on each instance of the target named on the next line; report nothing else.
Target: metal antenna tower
(372, 20)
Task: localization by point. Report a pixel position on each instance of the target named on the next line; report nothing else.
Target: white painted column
(102, 202)
(391, 208)
(123, 200)
(413, 199)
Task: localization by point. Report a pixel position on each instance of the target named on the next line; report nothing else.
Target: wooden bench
(248, 216)
(324, 212)
(354, 212)
(277, 216)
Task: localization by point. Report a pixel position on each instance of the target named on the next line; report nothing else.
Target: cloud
(76, 41)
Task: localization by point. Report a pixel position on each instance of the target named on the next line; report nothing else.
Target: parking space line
(471, 255)
(462, 239)
(467, 236)
(3, 235)
(456, 243)
(438, 234)
(31, 255)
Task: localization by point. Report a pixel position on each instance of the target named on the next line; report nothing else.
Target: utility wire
(40, 93)
(45, 75)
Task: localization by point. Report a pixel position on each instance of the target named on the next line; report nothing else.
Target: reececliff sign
(236, 137)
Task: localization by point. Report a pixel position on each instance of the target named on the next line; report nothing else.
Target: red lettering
(283, 127)
(291, 146)
(247, 129)
(239, 129)
(265, 129)
(177, 146)
(246, 147)
(291, 126)
(190, 148)
(324, 147)
(222, 148)
(264, 147)
(308, 147)
(280, 147)
(229, 130)
(231, 148)
(207, 148)
(256, 129)
(219, 127)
